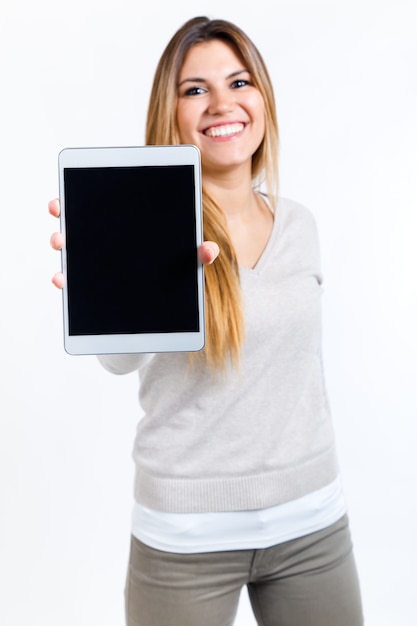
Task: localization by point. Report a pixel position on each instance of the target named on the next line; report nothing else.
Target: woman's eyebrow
(197, 79)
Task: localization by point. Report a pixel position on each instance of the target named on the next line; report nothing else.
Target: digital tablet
(132, 222)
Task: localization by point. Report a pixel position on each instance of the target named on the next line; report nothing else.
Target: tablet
(132, 222)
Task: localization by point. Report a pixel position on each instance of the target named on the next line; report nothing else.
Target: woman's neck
(248, 217)
(233, 193)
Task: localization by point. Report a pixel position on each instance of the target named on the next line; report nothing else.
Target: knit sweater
(254, 437)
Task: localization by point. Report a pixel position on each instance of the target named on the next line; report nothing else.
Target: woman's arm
(123, 363)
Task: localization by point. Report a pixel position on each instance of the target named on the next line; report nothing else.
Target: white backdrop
(78, 73)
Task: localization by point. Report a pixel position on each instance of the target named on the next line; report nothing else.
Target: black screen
(131, 250)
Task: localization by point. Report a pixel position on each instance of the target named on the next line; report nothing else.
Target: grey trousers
(311, 581)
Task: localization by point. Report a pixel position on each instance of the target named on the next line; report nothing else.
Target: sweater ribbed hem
(260, 491)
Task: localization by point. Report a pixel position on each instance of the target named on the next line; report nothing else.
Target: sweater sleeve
(123, 363)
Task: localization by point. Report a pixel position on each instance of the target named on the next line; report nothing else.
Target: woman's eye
(240, 83)
(194, 91)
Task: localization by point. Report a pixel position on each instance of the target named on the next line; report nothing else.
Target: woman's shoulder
(298, 230)
(295, 216)
(294, 209)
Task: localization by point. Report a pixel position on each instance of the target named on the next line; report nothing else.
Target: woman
(237, 480)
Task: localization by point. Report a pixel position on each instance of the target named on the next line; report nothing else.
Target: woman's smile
(224, 131)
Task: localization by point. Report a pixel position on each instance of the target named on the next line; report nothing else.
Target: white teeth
(224, 131)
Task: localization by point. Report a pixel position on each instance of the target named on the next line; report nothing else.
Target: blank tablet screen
(131, 250)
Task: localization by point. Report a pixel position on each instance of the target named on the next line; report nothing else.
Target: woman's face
(219, 109)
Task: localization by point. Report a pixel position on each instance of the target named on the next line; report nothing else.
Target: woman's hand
(207, 252)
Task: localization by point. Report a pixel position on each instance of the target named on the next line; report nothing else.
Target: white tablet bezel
(125, 157)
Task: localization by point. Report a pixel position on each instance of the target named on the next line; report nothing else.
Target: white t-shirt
(187, 533)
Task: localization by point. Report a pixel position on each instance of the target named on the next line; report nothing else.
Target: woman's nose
(221, 102)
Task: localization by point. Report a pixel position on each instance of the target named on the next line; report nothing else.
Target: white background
(77, 74)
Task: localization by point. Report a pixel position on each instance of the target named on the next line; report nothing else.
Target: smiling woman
(237, 480)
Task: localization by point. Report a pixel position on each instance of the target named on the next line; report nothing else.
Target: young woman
(237, 481)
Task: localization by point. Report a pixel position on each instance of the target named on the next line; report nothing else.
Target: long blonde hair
(224, 307)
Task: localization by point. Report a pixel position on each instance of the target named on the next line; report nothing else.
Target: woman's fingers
(57, 241)
(54, 208)
(58, 280)
(208, 252)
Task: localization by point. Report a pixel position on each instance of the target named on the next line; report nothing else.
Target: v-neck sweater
(250, 438)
